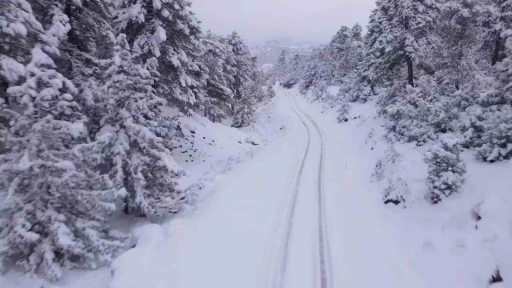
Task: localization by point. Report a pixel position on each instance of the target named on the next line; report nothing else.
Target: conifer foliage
(85, 86)
(55, 202)
(437, 68)
(140, 164)
(446, 170)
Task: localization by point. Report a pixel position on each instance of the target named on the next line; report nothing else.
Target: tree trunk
(410, 71)
(497, 47)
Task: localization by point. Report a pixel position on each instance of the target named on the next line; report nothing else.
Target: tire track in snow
(279, 277)
(323, 248)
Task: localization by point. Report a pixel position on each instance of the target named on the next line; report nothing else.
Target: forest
(91, 92)
(86, 120)
(440, 70)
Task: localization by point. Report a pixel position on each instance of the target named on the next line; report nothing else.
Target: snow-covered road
(300, 214)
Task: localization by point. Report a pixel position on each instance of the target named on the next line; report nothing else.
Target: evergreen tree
(446, 170)
(493, 117)
(281, 68)
(220, 61)
(169, 32)
(244, 114)
(496, 20)
(132, 142)
(458, 29)
(244, 65)
(55, 203)
(400, 33)
(87, 44)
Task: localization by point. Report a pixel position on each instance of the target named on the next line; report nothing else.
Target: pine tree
(169, 32)
(87, 44)
(220, 61)
(55, 203)
(458, 29)
(494, 115)
(496, 20)
(132, 142)
(244, 65)
(446, 170)
(400, 32)
(244, 114)
(280, 69)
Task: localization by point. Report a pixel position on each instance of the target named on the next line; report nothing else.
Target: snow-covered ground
(444, 245)
(256, 223)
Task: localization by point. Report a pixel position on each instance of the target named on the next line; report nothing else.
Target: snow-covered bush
(355, 88)
(419, 113)
(244, 114)
(271, 93)
(396, 191)
(445, 168)
(496, 134)
(320, 91)
(343, 110)
(495, 116)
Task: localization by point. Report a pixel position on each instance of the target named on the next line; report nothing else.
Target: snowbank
(211, 149)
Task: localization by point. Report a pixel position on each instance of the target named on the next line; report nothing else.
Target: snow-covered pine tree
(280, 69)
(336, 54)
(87, 44)
(244, 113)
(245, 67)
(496, 21)
(133, 140)
(169, 32)
(54, 204)
(354, 52)
(495, 135)
(377, 37)
(219, 58)
(291, 75)
(318, 68)
(401, 33)
(271, 93)
(455, 54)
(446, 169)
(493, 116)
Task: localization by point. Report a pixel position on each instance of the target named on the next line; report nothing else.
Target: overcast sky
(260, 20)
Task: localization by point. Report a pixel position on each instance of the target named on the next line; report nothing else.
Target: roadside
(460, 242)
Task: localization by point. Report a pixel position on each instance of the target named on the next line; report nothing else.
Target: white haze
(300, 20)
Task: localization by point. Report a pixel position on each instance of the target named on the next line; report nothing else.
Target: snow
(234, 225)
(442, 245)
(12, 70)
(234, 232)
(77, 129)
(151, 240)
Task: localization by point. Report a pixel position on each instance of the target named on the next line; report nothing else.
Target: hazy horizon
(258, 21)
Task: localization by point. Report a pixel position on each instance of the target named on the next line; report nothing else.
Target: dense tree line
(440, 69)
(84, 132)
